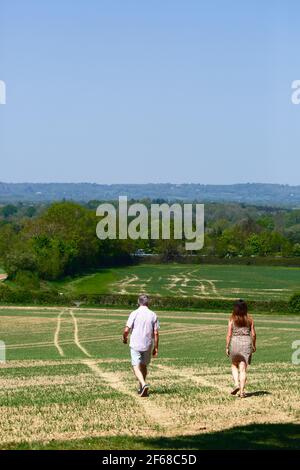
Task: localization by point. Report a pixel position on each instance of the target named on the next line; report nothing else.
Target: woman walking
(240, 344)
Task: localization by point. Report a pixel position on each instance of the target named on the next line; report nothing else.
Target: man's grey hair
(143, 299)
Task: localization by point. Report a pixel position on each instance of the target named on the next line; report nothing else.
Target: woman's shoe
(144, 391)
(234, 391)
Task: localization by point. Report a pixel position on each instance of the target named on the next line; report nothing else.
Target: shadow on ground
(258, 393)
(254, 436)
(170, 391)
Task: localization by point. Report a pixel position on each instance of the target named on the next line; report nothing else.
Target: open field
(210, 281)
(67, 383)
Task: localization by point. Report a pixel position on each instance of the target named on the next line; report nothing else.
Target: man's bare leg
(139, 375)
(144, 370)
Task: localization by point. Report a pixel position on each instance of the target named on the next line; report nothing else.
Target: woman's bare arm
(228, 337)
(253, 334)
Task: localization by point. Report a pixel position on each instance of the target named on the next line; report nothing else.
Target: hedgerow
(46, 296)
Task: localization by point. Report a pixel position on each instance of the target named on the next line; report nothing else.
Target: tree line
(51, 241)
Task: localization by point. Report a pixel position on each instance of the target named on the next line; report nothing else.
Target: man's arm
(156, 341)
(125, 334)
(128, 327)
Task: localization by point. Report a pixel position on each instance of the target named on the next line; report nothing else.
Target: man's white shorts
(140, 357)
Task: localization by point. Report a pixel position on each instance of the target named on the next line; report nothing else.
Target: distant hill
(250, 193)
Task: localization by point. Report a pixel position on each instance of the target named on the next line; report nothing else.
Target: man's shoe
(144, 391)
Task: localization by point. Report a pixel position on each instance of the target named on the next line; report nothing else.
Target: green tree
(8, 210)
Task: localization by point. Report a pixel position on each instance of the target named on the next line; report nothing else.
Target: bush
(236, 260)
(294, 303)
(27, 280)
(9, 295)
(50, 296)
(21, 259)
(44, 296)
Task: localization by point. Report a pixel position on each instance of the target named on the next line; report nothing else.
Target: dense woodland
(50, 241)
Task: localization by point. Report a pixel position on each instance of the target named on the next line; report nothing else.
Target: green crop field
(67, 383)
(205, 281)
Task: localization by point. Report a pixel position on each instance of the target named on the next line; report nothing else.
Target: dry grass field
(67, 383)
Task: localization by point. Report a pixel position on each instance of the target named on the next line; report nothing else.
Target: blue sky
(124, 91)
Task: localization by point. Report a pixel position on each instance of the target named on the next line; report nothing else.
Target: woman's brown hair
(240, 313)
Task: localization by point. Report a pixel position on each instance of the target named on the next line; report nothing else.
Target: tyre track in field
(211, 316)
(56, 334)
(282, 412)
(181, 329)
(29, 363)
(189, 374)
(157, 416)
(184, 330)
(76, 335)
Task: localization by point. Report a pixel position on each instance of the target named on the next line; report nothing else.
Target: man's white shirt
(142, 323)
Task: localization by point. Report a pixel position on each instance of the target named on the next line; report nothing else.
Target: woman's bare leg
(235, 374)
(243, 376)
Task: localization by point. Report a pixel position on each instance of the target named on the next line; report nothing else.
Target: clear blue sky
(127, 91)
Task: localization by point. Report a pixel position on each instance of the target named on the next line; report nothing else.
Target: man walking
(143, 326)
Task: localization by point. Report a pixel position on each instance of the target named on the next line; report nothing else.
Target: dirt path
(156, 415)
